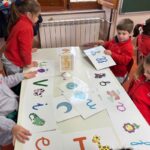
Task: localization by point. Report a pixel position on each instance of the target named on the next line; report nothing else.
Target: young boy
(9, 107)
(120, 48)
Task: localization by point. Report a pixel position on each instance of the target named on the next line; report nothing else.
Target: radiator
(75, 32)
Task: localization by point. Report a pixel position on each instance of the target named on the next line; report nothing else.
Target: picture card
(50, 140)
(90, 140)
(73, 84)
(63, 109)
(87, 104)
(99, 59)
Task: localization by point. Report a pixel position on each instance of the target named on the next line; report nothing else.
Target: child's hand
(20, 133)
(29, 75)
(100, 42)
(34, 50)
(108, 52)
(33, 64)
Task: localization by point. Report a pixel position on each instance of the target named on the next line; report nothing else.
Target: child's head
(145, 28)
(31, 8)
(124, 29)
(144, 68)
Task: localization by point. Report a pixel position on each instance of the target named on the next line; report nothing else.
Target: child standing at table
(143, 39)
(24, 14)
(120, 48)
(9, 107)
(139, 89)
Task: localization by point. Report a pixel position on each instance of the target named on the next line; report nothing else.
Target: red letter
(80, 142)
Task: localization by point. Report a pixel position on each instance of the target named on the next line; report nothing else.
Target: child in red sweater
(139, 89)
(143, 39)
(24, 14)
(120, 48)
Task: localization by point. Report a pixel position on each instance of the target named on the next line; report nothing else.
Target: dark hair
(140, 69)
(145, 28)
(22, 7)
(126, 24)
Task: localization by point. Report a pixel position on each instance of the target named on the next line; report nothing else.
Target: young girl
(139, 90)
(24, 14)
(8, 109)
(142, 32)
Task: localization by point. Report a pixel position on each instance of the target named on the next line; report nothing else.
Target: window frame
(67, 5)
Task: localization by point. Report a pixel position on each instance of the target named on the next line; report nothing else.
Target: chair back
(129, 67)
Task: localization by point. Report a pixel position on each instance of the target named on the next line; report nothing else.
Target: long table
(107, 118)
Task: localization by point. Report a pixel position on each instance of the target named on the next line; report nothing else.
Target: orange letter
(80, 142)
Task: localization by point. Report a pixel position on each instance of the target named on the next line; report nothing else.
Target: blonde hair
(140, 70)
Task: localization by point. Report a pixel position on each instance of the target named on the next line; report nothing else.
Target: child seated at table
(8, 109)
(120, 48)
(139, 89)
(142, 32)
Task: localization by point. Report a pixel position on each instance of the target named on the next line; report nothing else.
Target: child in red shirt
(139, 89)
(18, 53)
(143, 39)
(120, 48)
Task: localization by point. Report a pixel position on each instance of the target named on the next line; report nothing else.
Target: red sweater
(139, 91)
(143, 43)
(122, 53)
(19, 43)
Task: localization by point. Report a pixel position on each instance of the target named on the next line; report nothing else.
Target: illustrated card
(99, 59)
(63, 109)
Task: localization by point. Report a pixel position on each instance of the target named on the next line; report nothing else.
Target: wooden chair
(129, 67)
(140, 56)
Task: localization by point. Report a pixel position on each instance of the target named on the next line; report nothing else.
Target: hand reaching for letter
(29, 75)
(33, 64)
(20, 133)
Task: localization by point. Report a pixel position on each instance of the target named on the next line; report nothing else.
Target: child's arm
(9, 126)
(13, 80)
(6, 126)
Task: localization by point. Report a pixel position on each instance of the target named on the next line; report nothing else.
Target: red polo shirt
(139, 91)
(19, 43)
(122, 53)
(143, 42)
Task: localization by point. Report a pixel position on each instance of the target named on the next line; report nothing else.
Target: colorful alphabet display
(99, 139)
(99, 59)
(38, 111)
(41, 110)
(122, 112)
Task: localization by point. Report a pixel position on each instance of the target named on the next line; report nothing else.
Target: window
(52, 5)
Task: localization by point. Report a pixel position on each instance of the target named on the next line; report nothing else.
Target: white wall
(136, 17)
